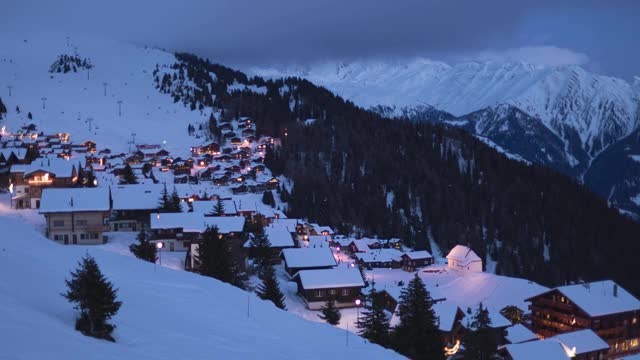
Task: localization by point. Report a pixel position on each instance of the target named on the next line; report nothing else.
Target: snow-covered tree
(330, 313)
(480, 343)
(144, 249)
(373, 323)
(270, 288)
(128, 177)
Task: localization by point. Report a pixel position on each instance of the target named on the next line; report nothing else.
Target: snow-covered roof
(194, 222)
(136, 197)
(597, 298)
(206, 207)
(463, 255)
(308, 258)
(583, 341)
(20, 153)
(536, 350)
(279, 236)
(446, 314)
(380, 255)
(418, 255)
(319, 229)
(319, 241)
(330, 278)
(74, 199)
(519, 333)
(363, 244)
(55, 165)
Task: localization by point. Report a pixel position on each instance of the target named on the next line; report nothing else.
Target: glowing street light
(358, 302)
(159, 246)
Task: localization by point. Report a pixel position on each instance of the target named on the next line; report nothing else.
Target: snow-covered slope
(599, 108)
(166, 314)
(73, 97)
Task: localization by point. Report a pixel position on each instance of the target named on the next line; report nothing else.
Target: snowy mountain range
(564, 117)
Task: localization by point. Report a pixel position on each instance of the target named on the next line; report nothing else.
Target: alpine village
(413, 237)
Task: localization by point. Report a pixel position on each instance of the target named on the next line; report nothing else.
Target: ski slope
(166, 314)
(72, 98)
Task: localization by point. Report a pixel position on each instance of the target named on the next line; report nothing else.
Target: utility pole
(89, 120)
(44, 102)
(119, 107)
(9, 87)
(105, 88)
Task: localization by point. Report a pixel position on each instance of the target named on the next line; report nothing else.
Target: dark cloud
(294, 31)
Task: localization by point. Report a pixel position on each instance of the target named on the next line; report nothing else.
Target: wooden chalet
(316, 287)
(604, 307)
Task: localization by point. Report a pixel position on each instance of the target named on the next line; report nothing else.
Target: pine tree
(218, 209)
(330, 313)
(479, 342)
(175, 201)
(3, 108)
(94, 297)
(144, 250)
(164, 205)
(373, 323)
(417, 335)
(128, 177)
(261, 248)
(267, 198)
(214, 259)
(270, 288)
(91, 180)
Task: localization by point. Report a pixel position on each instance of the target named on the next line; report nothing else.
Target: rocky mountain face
(577, 122)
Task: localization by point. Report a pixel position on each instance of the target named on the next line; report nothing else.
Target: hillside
(571, 116)
(166, 314)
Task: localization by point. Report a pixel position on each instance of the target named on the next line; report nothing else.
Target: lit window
(332, 291)
(345, 292)
(633, 343)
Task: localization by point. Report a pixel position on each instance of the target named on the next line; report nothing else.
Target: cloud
(536, 55)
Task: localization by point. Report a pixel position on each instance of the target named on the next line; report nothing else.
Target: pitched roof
(583, 341)
(519, 333)
(308, 258)
(418, 255)
(55, 165)
(279, 236)
(136, 197)
(380, 255)
(463, 254)
(535, 350)
(194, 222)
(74, 199)
(446, 314)
(330, 278)
(597, 298)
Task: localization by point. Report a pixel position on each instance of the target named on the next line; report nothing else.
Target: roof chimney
(615, 290)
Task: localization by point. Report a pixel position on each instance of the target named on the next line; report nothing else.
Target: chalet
(11, 156)
(212, 148)
(280, 237)
(535, 350)
(225, 126)
(242, 189)
(240, 154)
(248, 131)
(29, 180)
(179, 230)
(181, 167)
(206, 207)
(464, 259)
(76, 215)
(416, 259)
(361, 245)
(229, 135)
(135, 158)
(89, 145)
(381, 258)
(316, 287)
(235, 141)
(223, 158)
(604, 307)
(297, 259)
(273, 183)
(132, 205)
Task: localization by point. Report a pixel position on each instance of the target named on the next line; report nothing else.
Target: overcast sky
(601, 35)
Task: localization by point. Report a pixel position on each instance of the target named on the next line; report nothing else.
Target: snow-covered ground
(166, 314)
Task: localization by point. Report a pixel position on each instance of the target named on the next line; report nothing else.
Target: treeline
(358, 171)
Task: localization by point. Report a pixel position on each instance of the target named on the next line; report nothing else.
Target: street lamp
(159, 246)
(358, 302)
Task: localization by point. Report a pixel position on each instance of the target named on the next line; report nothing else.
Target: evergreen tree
(164, 205)
(261, 248)
(330, 313)
(175, 201)
(91, 179)
(373, 323)
(479, 341)
(270, 288)
(417, 335)
(267, 198)
(3, 108)
(214, 259)
(29, 116)
(94, 297)
(218, 209)
(128, 177)
(144, 250)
